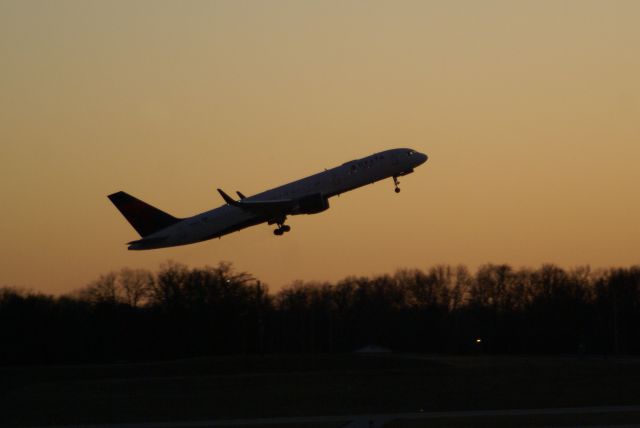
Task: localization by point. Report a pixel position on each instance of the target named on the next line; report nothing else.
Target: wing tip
(226, 197)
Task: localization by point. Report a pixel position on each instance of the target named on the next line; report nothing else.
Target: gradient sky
(529, 111)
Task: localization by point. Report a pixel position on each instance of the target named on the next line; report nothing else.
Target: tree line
(177, 311)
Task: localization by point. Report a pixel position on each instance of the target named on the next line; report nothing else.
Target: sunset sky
(528, 110)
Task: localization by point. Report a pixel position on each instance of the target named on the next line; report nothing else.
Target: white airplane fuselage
(305, 196)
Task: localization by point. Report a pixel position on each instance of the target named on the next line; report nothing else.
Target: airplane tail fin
(144, 218)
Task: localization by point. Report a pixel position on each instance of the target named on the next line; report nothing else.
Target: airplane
(308, 195)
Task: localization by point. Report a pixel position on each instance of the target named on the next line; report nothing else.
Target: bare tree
(168, 288)
(459, 294)
(135, 286)
(102, 290)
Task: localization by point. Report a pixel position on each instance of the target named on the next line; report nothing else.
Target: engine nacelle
(312, 204)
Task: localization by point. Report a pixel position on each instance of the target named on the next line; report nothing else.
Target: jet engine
(312, 204)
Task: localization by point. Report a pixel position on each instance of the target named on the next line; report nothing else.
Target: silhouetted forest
(135, 315)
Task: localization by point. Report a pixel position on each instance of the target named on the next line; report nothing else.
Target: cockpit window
(410, 152)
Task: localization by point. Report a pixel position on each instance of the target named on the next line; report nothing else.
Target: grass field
(274, 386)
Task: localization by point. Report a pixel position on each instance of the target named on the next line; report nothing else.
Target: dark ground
(306, 385)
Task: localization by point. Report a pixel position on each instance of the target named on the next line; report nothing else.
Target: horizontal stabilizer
(144, 218)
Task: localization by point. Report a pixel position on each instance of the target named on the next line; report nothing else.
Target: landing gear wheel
(282, 228)
(397, 190)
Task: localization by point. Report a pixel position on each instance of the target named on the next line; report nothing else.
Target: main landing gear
(396, 182)
(282, 228)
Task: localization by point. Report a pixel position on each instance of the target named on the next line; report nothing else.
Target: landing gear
(396, 182)
(282, 228)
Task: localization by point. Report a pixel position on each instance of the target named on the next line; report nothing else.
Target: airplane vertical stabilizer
(144, 218)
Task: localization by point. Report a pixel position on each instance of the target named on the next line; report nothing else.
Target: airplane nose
(423, 158)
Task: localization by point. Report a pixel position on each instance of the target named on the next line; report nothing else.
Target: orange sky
(529, 111)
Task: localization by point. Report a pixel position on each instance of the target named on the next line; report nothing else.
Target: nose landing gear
(396, 182)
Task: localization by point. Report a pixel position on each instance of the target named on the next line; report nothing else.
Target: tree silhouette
(136, 286)
(178, 311)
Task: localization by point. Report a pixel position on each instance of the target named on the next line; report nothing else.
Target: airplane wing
(269, 209)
